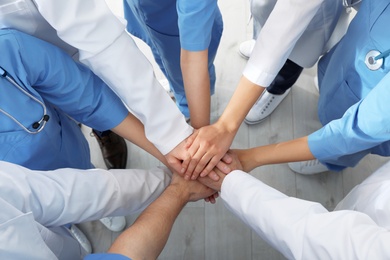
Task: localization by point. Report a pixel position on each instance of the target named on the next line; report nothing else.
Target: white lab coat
(296, 29)
(34, 205)
(299, 229)
(109, 51)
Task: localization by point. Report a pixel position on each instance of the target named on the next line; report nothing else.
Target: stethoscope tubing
(39, 125)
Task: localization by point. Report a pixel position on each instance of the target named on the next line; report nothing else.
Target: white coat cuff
(257, 77)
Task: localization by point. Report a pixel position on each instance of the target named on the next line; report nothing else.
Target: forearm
(289, 151)
(146, 238)
(239, 105)
(133, 130)
(194, 66)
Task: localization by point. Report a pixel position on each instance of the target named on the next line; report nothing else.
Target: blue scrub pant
(158, 27)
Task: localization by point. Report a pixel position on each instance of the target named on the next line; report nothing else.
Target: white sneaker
(308, 167)
(246, 48)
(316, 83)
(114, 224)
(81, 238)
(264, 106)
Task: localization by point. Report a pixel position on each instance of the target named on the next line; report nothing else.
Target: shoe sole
(255, 122)
(242, 55)
(261, 120)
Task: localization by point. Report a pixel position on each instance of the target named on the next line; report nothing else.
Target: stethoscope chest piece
(371, 60)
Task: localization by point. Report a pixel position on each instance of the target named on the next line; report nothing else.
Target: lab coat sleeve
(106, 48)
(71, 196)
(286, 23)
(302, 229)
(59, 80)
(363, 126)
(371, 197)
(196, 20)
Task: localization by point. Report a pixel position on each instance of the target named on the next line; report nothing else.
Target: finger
(210, 166)
(175, 164)
(192, 163)
(227, 158)
(203, 162)
(214, 197)
(190, 140)
(184, 164)
(223, 167)
(199, 167)
(213, 175)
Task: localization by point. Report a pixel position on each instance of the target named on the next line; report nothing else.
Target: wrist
(226, 125)
(249, 160)
(178, 193)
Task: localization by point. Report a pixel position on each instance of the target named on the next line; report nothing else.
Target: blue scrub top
(354, 100)
(69, 91)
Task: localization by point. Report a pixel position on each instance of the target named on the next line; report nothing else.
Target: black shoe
(113, 147)
(286, 78)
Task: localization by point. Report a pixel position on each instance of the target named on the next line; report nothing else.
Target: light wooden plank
(325, 188)
(226, 237)
(186, 240)
(261, 250)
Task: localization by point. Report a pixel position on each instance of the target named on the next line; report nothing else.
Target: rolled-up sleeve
(363, 127)
(286, 23)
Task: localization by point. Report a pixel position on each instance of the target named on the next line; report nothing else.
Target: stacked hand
(206, 147)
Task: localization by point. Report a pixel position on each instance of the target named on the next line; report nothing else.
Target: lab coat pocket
(18, 15)
(20, 238)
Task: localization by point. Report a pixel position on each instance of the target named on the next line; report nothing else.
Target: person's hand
(179, 158)
(213, 198)
(229, 163)
(206, 147)
(245, 158)
(191, 190)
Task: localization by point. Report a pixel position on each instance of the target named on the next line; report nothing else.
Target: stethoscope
(351, 3)
(374, 59)
(39, 125)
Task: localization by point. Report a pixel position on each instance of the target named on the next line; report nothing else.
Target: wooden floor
(211, 232)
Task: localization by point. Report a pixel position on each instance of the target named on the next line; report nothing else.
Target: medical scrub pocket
(344, 77)
(60, 144)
